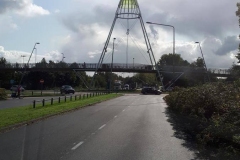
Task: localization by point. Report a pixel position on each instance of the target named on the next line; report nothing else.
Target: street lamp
(28, 62)
(63, 57)
(32, 51)
(35, 56)
(133, 62)
(23, 58)
(112, 62)
(173, 37)
(205, 66)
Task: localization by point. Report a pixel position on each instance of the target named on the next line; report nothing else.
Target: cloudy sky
(79, 29)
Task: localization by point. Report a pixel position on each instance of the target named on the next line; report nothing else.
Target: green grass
(18, 115)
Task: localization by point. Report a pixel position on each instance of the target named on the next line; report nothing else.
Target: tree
(238, 14)
(170, 59)
(5, 77)
(42, 64)
(198, 63)
(146, 79)
(238, 55)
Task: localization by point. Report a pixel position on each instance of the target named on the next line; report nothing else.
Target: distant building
(117, 85)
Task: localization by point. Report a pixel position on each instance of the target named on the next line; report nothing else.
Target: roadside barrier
(65, 98)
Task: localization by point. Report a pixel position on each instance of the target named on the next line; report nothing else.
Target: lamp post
(112, 64)
(28, 62)
(133, 62)
(205, 66)
(63, 57)
(35, 56)
(32, 51)
(173, 37)
(23, 58)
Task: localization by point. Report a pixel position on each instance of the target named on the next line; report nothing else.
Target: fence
(64, 99)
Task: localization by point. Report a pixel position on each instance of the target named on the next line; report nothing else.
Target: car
(150, 90)
(66, 89)
(15, 87)
(126, 87)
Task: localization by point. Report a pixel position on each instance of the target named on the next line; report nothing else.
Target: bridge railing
(219, 71)
(92, 66)
(77, 65)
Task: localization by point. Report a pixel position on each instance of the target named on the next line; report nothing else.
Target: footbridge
(106, 67)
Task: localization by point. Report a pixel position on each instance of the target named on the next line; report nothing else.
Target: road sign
(41, 81)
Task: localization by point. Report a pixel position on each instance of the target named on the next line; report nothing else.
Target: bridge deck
(117, 67)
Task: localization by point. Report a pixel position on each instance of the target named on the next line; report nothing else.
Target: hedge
(3, 94)
(213, 113)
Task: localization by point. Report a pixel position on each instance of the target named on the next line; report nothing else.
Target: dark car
(67, 89)
(150, 90)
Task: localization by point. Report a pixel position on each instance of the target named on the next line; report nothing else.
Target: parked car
(150, 90)
(126, 87)
(67, 89)
(15, 87)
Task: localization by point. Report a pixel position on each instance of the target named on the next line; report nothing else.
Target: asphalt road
(15, 102)
(11, 103)
(131, 127)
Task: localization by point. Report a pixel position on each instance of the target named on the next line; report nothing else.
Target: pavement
(131, 127)
(16, 102)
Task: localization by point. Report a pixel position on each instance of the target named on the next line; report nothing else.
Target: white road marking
(76, 146)
(102, 127)
(115, 116)
(123, 110)
(93, 133)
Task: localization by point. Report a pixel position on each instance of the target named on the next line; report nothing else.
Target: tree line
(53, 79)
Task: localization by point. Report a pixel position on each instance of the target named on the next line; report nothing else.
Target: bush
(3, 94)
(216, 107)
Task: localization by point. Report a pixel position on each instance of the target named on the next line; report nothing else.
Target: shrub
(3, 94)
(216, 107)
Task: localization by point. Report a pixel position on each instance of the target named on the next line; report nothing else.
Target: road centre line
(77, 145)
(102, 127)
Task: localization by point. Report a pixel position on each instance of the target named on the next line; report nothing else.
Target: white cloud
(92, 54)
(25, 8)
(7, 24)
(13, 56)
(32, 10)
(57, 11)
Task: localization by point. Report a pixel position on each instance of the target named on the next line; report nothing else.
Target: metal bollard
(87, 95)
(43, 102)
(34, 103)
(70, 98)
(51, 101)
(65, 99)
(75, 97)
(59, 99)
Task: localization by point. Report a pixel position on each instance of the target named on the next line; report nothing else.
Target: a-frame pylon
(129, 9)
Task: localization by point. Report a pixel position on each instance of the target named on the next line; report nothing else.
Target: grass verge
(13, 117)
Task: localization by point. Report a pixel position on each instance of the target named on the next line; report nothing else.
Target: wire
(127, 43)
(138, 46)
